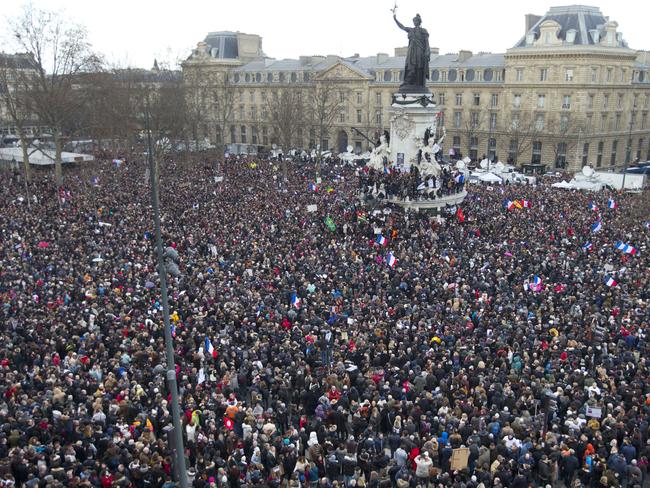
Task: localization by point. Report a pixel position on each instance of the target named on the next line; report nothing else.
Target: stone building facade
(568, 93)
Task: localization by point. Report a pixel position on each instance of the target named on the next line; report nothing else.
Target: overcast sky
(134, 32)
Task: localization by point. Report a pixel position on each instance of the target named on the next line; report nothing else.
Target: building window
(359, 98)
(473, 148)
(441, 119)
(594, 75)
(513, 149)
(477, 99)
(492, 148)
(541, 101)
(644, 120)
(617, 122)
(342, 116)
(632, 120)
(605, 101)
(619, 101)
(443, 76)
(560, 158)
(543, 74)
(457, 119)
(566, 102)
(359, 117)
(265, 136)
(599, 156)
(241, 112)
(459, 99)
(568, 75)
(252, 97)
(585, 153)
(635, 101)
(589, 122)
(517, 100)
(474, 122)
(456, 145)
(387, 76)
(564, 123)
(515, 121)
(612, 159)
(537, 152)
(646, 104)
(603, 122)
(378, 99)
(539, 122)
(441, 99)
(233, 134)
(253, 112)
(519, 74)
(378, 118)
(325, 144)
(499, 75)
(609, 75)
(254, 135)
(493, 121)
(243, 134)
(590, 101)
(639, 147)
(494, 102)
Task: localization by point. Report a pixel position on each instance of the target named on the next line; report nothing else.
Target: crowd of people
(409, 185)
(319, 343)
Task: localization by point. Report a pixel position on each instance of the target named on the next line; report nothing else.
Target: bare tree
(223, 97)
(286, 108)
(522, 130)
(58, 51)
(325, 104)
(564, 134)
(14, 79)
(473, 127)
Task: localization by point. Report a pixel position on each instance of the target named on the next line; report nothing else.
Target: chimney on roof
(382, 58)
(464, 55)
(401, 51)
(434, 50)
(531, 20)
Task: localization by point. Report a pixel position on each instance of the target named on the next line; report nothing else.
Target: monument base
(411, 114)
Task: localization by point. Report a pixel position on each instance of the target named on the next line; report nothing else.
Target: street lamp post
(628, 152)
(181, 471)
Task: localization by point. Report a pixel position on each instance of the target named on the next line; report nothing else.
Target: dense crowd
(412, 185)
(340, 359)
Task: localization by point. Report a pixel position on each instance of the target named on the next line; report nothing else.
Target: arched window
(453, 75)
(488, 74)
(435, 75)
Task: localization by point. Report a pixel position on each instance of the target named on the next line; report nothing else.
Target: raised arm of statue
(399, 24)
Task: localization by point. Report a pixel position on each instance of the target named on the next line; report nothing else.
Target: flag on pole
(209, 348)
(626, 248)
(593, 206)
(587, 246)
(312, 187)
(391, 260)
(295, 301)
(526, 204)
(611, 203)
(509, 205)
(381, 240)
(609, 281)
(596, 227)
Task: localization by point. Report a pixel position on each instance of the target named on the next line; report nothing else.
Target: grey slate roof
(579, 17)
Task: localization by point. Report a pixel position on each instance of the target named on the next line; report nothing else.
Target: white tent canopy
(488, 178)
(42, 157)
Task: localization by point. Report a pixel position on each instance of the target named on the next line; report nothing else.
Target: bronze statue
(416, 68)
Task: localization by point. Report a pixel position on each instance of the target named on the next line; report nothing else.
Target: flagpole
(181, 471)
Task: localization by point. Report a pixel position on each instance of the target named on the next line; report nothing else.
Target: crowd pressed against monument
(324, 333)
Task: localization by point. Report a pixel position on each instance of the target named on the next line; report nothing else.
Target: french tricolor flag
(295, 301)
(391, 260)
(609, 281)
(209, 348)
(587, 245)
(626, 248)
(381, 240)
(312, 187)
(593, 206)
(611, 203)
(596, 227)
(509, 205)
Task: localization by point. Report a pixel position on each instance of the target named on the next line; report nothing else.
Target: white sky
(134, 32)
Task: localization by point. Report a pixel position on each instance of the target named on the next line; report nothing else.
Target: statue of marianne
(416, 68)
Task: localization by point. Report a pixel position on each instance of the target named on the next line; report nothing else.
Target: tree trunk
(24, 147)
(58, 170)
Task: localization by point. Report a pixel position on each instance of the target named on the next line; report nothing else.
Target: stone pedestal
(411, 114)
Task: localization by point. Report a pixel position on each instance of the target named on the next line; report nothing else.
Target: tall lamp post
(181, 471)
(628, 151)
